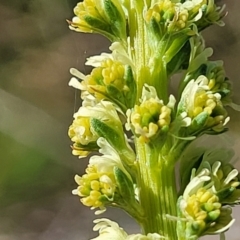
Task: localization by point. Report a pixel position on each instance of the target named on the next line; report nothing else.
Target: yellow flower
(150, 116)
(167, 16)
(80, 131)
(203, 205)
(95, 188)
(200, 208)
(203, 106)
(213, 14)
(111, 230)
(111, 80)
(104, 17)
(109, 74)
(100, 185)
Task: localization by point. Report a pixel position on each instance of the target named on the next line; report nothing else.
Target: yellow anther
(92, 176)
(95, 194)
(211, 83)
(165, 109)
(97, 203)
(197, 110)
(153, 128)
(162, 122)
(201, 215)
(148, 15)
(95, 185)
(87, 201)
(208, 110)
(210, 102)
(200, 192)
(205, 197)
(156, 16)
(213, 199)
(211, 96)
(183, 16)
(181, 24)
(235, 184)
(164, 115)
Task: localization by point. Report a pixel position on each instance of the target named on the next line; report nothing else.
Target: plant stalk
(158, 195)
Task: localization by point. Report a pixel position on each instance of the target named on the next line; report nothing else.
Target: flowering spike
(129, 87)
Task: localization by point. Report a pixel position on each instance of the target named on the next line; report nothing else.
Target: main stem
(158, 194)
(156, 179)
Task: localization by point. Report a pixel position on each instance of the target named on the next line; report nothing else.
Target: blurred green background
(36, 166)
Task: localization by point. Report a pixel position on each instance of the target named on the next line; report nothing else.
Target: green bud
(97, 24)
(175, 47)
(213, 215)
(204, 8)
(225, 193)
(116, 18)
(115, 95)
(180, 60)
(208, 206)
(110, 134)
(111, 11)
(199, 121)
(168, 15)
(155, 28)
(130, 95)
(124, 184)
(116, 139)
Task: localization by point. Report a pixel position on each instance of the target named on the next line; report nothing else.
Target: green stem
(141, 52)
(158, 195)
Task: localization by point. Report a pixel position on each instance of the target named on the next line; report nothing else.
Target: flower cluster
(104, 16)
(167, 16)
(213, 187)
(106, 182)
(111, 230)
(150, 117)
(95, 187)
(203, 106)
(201, 210)
(111, 79)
